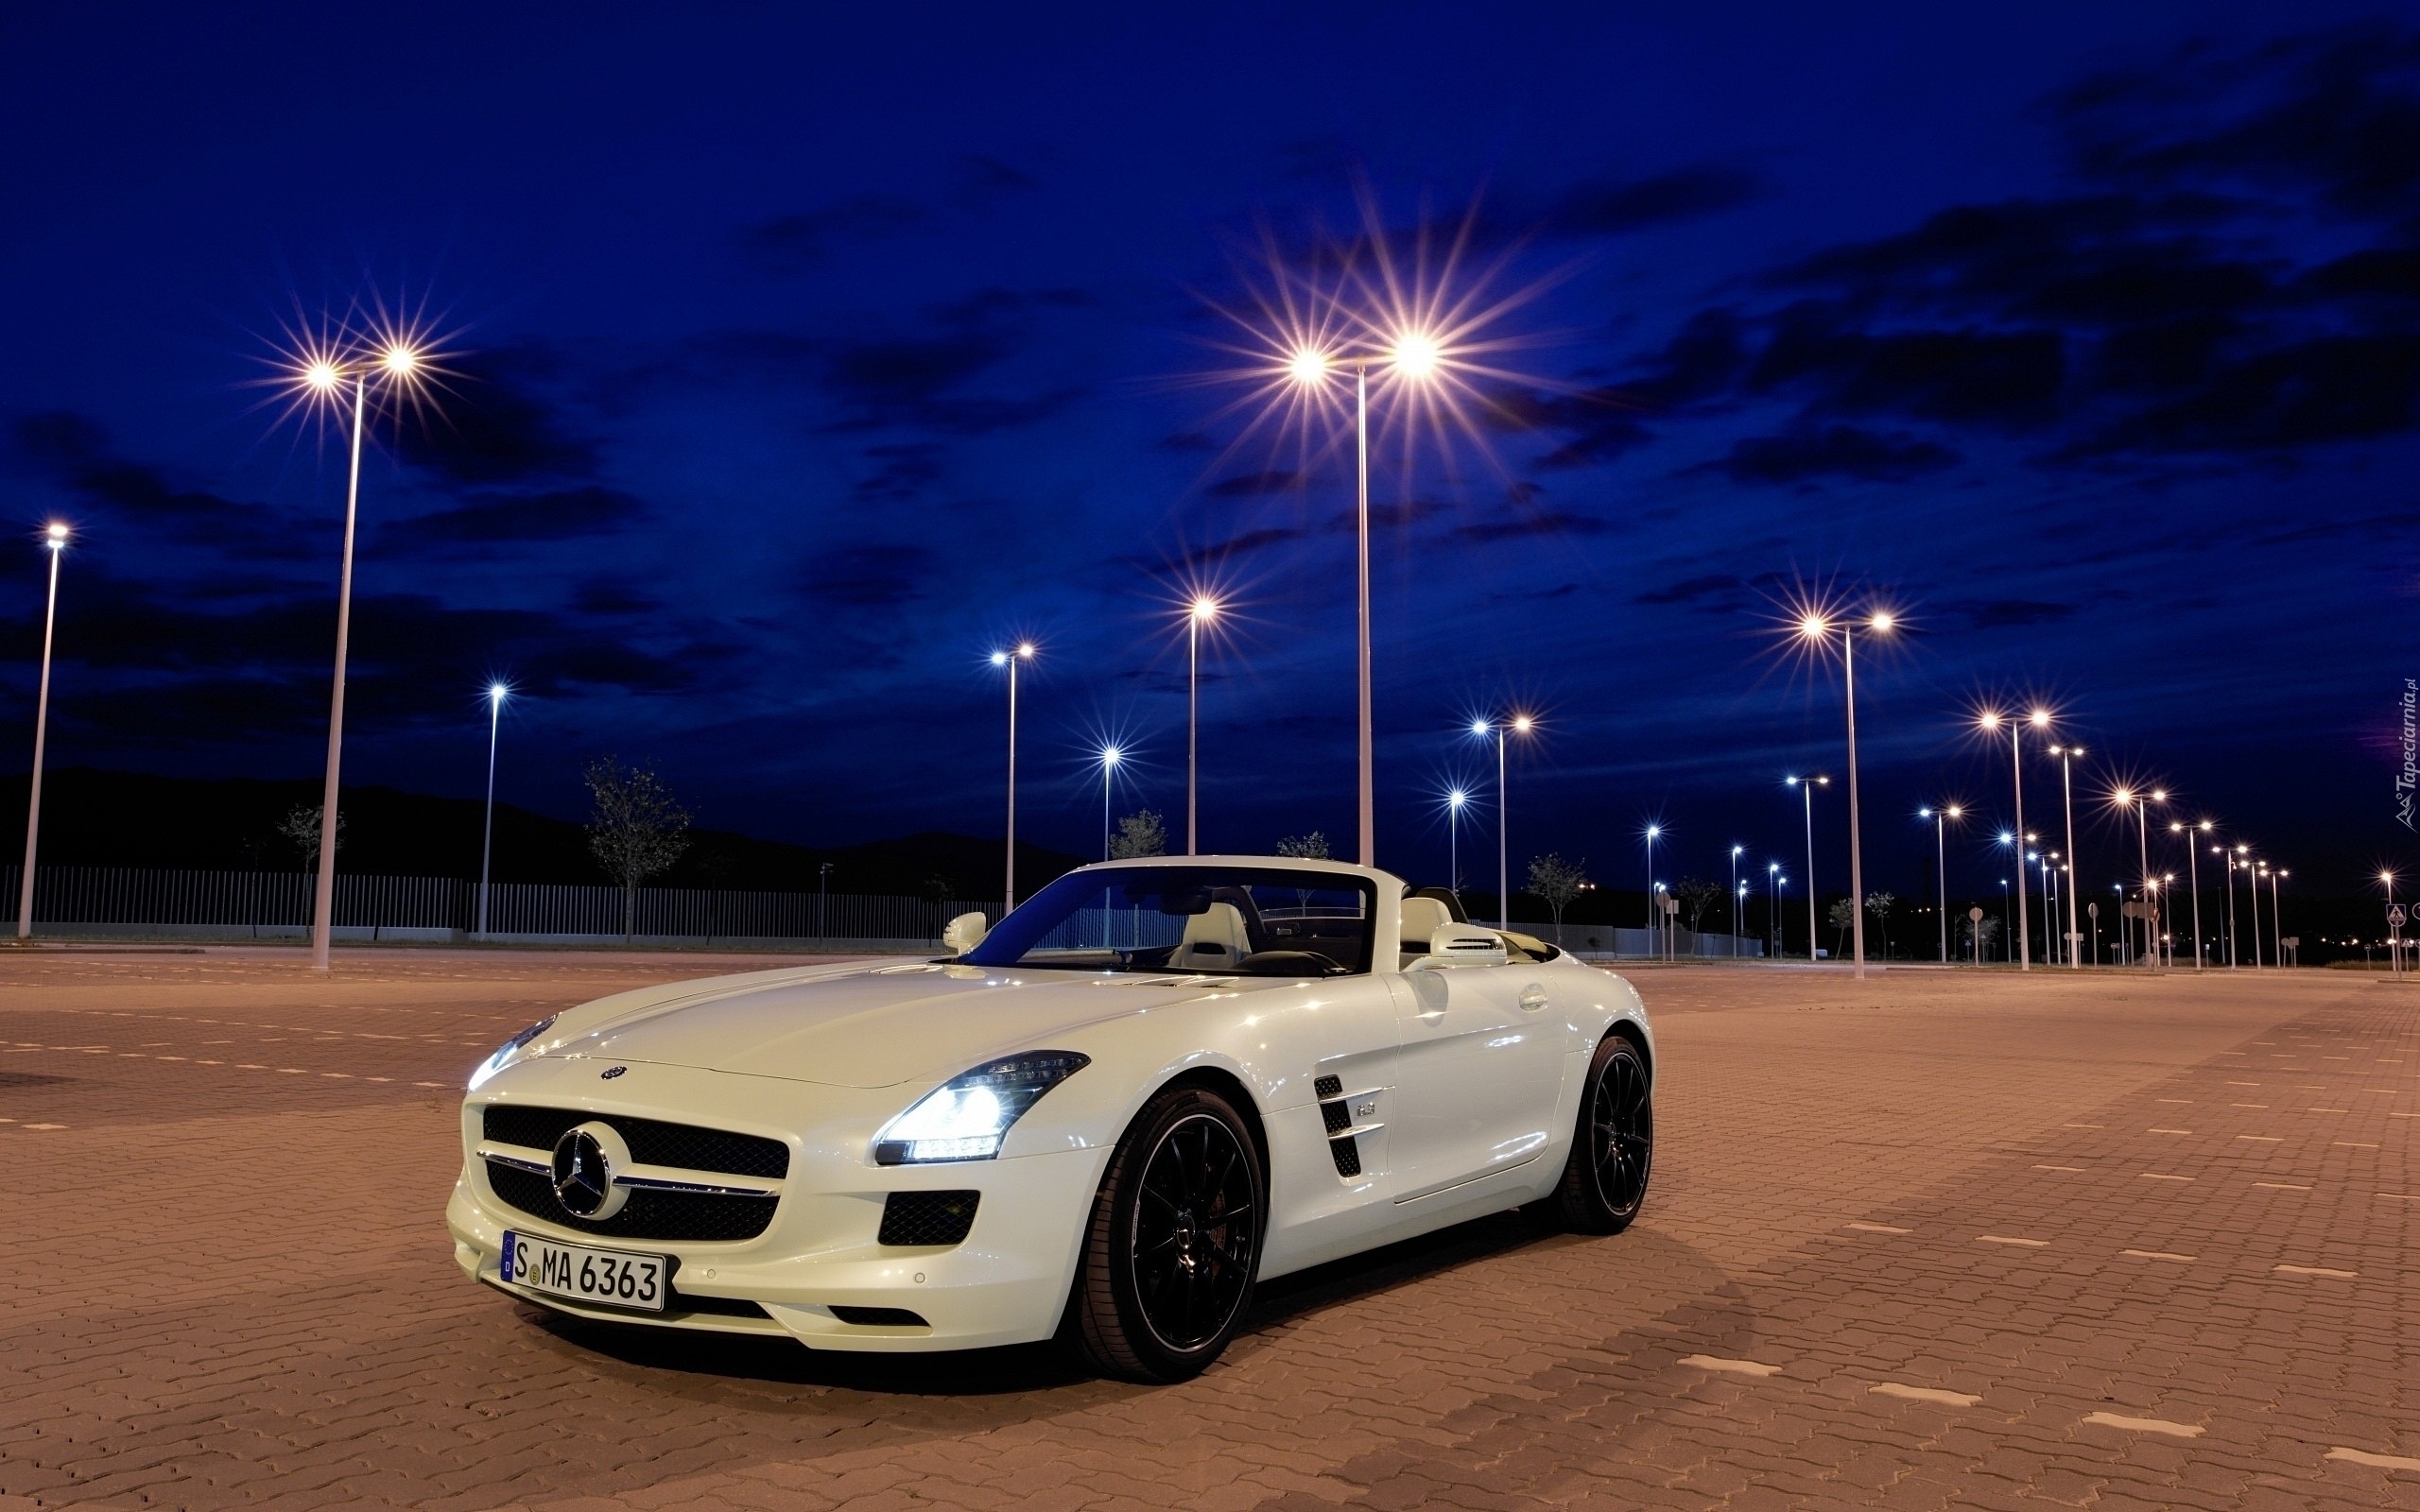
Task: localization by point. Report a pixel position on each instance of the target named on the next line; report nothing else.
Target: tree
(635, 828)
(1844, 916)
(1558, 882)
(1986, 929)
(1311, 847)
(1140, 834)
(1878, 904)
(301, 826)
(1696, 897)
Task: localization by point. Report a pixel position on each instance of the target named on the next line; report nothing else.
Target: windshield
(1195, 918)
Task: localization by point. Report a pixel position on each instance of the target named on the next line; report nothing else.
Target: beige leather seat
(1215, 940)
(1422, 919)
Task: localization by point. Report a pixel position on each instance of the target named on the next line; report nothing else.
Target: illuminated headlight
(512, 1047)
(965, 1118)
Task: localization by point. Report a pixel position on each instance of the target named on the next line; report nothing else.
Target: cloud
(1542, 522)
(1187, 441)
(495, 426)
(918, 380)
(792, 243)
(1616, 207)
(869, 575)
(1253, 485)
(2001, 613)
(614, 596)
(1837, 451)
(1725, 586)
(900, 471)
(494, 518)
(75, 452)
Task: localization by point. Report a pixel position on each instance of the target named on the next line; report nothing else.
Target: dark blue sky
(807, 357)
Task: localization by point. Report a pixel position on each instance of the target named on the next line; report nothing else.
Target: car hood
(875, 1027)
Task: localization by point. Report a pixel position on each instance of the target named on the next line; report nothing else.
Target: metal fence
(277, 905)
(1604, 939)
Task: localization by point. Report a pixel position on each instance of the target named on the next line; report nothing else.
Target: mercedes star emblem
(583, 1181)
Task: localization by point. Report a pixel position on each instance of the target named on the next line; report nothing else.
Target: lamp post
(2221, 851)
(1775, 881)
(1519, 724)
(1205, 610)
(1413, 355)
(1990, 721)
(1654, 903)
(1941, 864)
(397, 363)
(1806, 787)
(1815, 628)
(497, 693)
(2394, 933)
(1734, 899)
(2066, 754)
(54, 539)
(2193, 874)
(1456, 801)
(1012, 659)
(2042, 860)
(1109, 755)
(2140, 803)
(2277, 914)
(2252, 870)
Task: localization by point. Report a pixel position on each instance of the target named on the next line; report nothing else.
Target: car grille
(925, 1217)
(651, 1142)
(647, 1214)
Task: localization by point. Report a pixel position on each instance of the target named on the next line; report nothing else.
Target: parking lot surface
(1934, 1238)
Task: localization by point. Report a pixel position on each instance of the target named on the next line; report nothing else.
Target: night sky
(805, 355)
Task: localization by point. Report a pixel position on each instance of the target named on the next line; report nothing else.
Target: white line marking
(2003, 1239)
(2319, 1270)
(2331, 1109)
(2351, 1144)
(2155, 1176)
(2243, 1084)
(1737, 1367)
(2071, 1170)
(2261, 1138)
(293, 1070)
(2247, 1105)
(2169, 1132)
(2384, 1462)
(1939, 1399)
(43, 1125)
(2175, 1099)
(2143, 1425)
(2280, 1186)
(2398, 1196)
(2155, 1254)
(2083, 1125)
(438, 1085)
(1878, 1228)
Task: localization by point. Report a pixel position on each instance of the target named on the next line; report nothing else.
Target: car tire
(1171, 1246)
(1612, 1144)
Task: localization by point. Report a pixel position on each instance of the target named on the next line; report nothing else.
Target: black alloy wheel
(1174, 1243)
(1604, 1181)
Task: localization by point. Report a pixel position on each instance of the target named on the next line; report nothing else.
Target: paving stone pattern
(1930, 1239)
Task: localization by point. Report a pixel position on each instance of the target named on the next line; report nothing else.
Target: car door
(1479, 1070)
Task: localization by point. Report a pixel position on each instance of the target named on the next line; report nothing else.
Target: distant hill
(103, 818)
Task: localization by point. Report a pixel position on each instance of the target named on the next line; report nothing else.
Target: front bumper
(1005, 1282)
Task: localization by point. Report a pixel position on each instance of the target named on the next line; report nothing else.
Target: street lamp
(1414, 355)
(1816, 627)
(497, 693)
(1109, 755)
(2277, 914)
(1205, 610)
(54, 539)
(1654, 913)
(1519, 724)
(325, 375)
(2140, 803)
(1941, 864)
(1012, 659)
(1456, 801)
(2394, 932)
(1734, 899)
(1991, 720)
(1774, 882)
(2066, 755)
(2193, 874)
(2221, 851)
(1806, 787)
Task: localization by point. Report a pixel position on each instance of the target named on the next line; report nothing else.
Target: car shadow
(1026, 1368)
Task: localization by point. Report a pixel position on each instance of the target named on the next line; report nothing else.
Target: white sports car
(1154, 1083)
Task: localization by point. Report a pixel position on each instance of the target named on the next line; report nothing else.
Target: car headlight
(966, 1117)
(512, 1047)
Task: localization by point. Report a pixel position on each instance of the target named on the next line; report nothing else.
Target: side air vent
(881, 1318)
(1336, 1113)
(927, 1218)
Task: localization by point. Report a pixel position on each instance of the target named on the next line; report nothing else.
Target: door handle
(1533, 997)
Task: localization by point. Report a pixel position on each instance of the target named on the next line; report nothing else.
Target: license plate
(605, 1277)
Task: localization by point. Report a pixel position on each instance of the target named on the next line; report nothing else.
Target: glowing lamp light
(1109, 755)
(999, 658)
(1883, 620)
(1205, 608)
(1025, 651)
(1480, 727)
(1307, 365)
(1989, 719)
(1813, 626)
(497, 691)
(1458, 798)
(322, 376)
(2040, 718)
(1521, 724)
(56, 535)
(400, 362)
(1415, 354)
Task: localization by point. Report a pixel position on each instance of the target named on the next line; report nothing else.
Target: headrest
(1422, 919)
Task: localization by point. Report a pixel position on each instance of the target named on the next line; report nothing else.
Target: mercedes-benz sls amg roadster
(1150, 1086)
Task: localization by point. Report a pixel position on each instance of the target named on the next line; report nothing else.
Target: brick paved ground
(1917, 1242)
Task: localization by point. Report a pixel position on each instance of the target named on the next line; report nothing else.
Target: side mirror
(1463, 945)
(964, 933)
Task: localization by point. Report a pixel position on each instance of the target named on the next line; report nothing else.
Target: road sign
(1976, 914)
(2395, 916)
